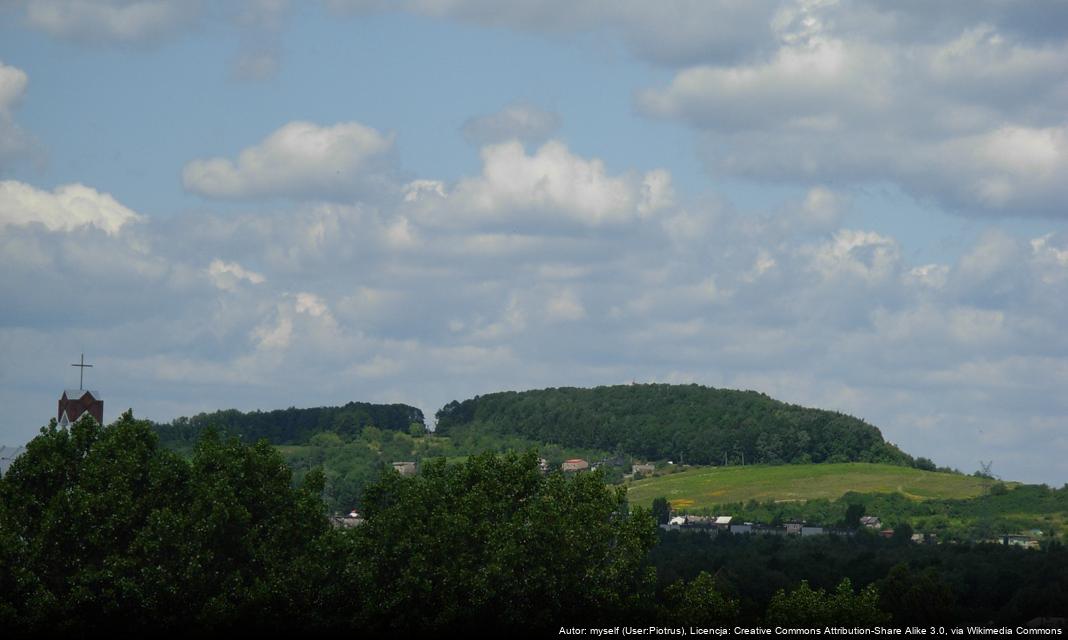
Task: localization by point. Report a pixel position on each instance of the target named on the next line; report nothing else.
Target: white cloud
(550, 183)
(973, 119)
(299, 160)
(863, 255)
(13, 83)
(125, 21)
(228, 275)
(524, 122)
(66, 208)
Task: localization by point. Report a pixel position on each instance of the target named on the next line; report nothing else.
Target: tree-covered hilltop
(687, 423)
(291, 426)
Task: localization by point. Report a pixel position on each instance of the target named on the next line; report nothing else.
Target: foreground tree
(805, 607)
(492, 542)
(101, 528)
(699, 602)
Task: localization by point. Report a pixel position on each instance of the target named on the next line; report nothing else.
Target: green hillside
(700, 488)
(687, 423)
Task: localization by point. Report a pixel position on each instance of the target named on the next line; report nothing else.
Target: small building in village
(870, 522)
(1027, 542)
(353, 519)
(405, 468)
(574, 464)
(646, 469)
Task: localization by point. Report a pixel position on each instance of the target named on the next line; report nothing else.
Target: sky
(257, 204)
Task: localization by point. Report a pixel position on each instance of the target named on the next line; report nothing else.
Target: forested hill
(687, 423)
(291, 426)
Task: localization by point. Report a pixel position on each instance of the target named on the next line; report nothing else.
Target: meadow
(703, 487)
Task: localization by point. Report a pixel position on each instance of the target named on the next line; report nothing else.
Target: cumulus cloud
(299, 160)
(123, 21)
(972, 117)
(552, 183)
(66, 208)
(523, 122)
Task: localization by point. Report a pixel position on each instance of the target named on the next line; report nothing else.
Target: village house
(1027, 542)
(871, 522)
(353, 519)
(574, 464)
(646, 469)
(405, 468)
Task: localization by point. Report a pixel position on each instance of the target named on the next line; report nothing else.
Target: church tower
(74, 403)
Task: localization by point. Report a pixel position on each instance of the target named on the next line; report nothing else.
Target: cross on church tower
(81, 372)
(73, 404)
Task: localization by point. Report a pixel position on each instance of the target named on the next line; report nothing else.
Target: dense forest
(686, 423)
(292, 426)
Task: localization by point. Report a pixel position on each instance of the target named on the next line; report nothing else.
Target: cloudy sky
(855, 205)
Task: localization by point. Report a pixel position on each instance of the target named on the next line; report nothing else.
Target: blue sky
(257, 204)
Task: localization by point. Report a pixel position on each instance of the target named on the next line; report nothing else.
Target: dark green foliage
(661, 510)
(854, 512)
(291, 426)
(102, 528)
(688, 423)
(699, 602)
(986, 583)
(917, 597)
(805, 607)
(903, 533)
(495, 543)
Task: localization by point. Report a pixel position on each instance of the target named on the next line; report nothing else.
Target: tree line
(292, 425)
(691, 424)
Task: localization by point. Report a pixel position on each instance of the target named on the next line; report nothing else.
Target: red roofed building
(74, 403)
(575, 464)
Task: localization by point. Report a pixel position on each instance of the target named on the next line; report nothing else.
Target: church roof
(77, 393)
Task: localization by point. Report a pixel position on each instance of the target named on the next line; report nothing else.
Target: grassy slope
(703, 487)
